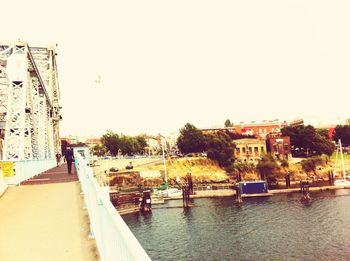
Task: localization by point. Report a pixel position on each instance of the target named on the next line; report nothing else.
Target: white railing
(26, 169)
(113, 237)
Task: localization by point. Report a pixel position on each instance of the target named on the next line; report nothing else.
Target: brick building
(280, 147)
(261, 129)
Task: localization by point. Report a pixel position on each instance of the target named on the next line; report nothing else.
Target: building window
(256, 150)
(250, 150)
(238, 151)
(262, 149)
(243, 150)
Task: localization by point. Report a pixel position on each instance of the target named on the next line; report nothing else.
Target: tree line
(219, 146)
(114, 143)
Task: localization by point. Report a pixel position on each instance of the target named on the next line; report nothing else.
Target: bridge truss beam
(29, 102)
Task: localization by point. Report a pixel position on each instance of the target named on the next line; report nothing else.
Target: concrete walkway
(45, 222)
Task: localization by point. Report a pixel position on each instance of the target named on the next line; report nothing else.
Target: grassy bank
(202, 169)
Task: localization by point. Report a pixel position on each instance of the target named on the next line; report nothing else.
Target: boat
(171, 193)
(167, 192)
(345, 181)
(155, 200)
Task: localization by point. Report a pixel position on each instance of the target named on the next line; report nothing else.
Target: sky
(165, 63)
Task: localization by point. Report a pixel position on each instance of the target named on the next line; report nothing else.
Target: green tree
(99, 150)
(127, 144)
(219, 147)
(228, 123)
(342, 132)
(323, 132)
(268, 167)
(140, 143)
(308, 139)
(111, 141)
(191, 139)
(309, 165)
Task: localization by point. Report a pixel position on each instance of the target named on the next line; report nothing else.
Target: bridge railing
(113, 237)
(26, 169)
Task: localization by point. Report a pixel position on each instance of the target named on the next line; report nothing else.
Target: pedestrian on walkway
(69, 159)
(58, 159)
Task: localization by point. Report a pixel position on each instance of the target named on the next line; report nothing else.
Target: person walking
(68, 155)
(58, 159)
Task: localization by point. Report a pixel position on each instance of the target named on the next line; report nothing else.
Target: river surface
(280, 227)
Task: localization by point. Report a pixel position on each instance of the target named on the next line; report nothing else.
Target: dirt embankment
(202, 170)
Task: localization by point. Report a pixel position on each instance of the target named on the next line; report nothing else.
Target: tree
(309, 165)
(140, 143)
(307, 139)
(323, 132)
(99, 150)
(342, 132)
(219, 147)
(268, 167)
(228, 123)
(111, 141)
(127, 144)
(191, 139)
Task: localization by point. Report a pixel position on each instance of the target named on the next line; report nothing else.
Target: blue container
(253, 187)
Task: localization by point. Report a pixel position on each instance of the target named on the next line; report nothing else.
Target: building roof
(249, 141)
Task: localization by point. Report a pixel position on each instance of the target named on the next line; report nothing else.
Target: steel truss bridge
(29, 138)
(29, 102)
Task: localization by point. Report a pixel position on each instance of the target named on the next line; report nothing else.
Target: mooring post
(238, 195)
(304, 185)
(287, 178)
(331, 178)
(185, 196)
(146, 203)
(238, 177)
(190, 184)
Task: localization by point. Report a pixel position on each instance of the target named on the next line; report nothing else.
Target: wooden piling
(186, 196)
(238, 198)
(287, 178)
(331, 178)
(304, 187)
(146, 203)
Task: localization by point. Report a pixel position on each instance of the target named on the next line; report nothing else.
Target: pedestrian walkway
(45, 221)
(54, 175)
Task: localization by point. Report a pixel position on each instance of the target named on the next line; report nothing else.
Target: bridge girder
(29, 102)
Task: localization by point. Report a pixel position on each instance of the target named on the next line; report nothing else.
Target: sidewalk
(45, 222)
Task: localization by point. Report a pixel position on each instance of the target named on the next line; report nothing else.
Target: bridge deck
(45, 221)
(54, 175)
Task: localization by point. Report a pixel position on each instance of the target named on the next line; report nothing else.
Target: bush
(268, 167)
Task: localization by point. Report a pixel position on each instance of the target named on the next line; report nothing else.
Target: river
(279, 227)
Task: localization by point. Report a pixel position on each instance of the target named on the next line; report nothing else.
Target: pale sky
(164, 63)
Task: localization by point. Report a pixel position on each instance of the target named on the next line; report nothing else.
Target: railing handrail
(113, 237)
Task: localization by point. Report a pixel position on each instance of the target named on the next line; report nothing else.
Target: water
(272, 228)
